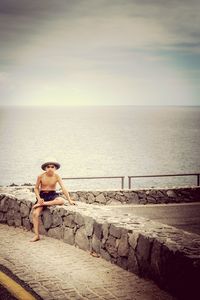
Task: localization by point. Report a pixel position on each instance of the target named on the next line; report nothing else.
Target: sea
(101, 141)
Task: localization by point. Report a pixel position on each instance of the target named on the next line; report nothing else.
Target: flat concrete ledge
(169, 256)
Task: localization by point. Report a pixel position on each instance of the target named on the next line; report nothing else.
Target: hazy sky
(82, 52)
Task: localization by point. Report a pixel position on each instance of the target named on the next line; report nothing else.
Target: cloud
(148, 22)
(80, 48)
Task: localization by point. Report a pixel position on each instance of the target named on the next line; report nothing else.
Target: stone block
(133, 198)
(159, 194)
(31, 216)
(96, 193)
(178, 273)
(74, 196)
(47, 218)
(101, 199)
(56, 233)
(1, 196)
(96, 244)
(91, 198)
(142, 195)
(151, 200)
(24, 210)
(27, 203)
(123, 246)
(98, 230)
(156, 260)
(171, 194)
(16, 206)
(69, 221)
(63, 211)
(11, 203)
(89, 225)
(2, 217)
(57, 219)
(82, 199)
(81, 239)
(105, 230)
(111, 194)
(104, 254)
(132, 264)
(42, 230)
(143, 252)
(122, 262)
(115, 231)
(119, 197)
(133, 239)
(144, 246)
(10, 222)
(10, 214)
(26, 223)
(69, 236)
(119, 193)
(4, 204)
(143, 201)
(113, 260)
(78, 219)
(17, 219)
(111, 246)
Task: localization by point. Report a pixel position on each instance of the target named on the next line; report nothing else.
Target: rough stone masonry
(169, 256)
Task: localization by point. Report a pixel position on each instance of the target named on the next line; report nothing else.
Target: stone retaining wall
(169, 256)
(139, 196)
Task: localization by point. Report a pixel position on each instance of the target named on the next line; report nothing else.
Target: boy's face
(50, 169)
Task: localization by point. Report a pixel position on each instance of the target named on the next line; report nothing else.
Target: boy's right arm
(36, 189)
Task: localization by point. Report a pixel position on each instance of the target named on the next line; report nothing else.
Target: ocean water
(100, 141)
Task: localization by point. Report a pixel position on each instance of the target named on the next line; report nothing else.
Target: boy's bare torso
(48, 183)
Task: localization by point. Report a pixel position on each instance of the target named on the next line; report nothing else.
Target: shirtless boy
(45, 190)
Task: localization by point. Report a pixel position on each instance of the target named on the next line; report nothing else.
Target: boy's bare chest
(49, 180)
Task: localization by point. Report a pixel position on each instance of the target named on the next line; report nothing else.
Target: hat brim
(57, 165)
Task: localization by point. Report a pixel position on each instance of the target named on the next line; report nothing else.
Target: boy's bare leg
(56, 201)
(36, 214)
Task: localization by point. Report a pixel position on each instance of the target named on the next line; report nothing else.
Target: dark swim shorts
(48, 195)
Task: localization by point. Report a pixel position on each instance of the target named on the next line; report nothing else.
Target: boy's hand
(41, 201)
(72, 202)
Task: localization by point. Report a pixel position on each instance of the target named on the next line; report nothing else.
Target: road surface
(185, 216)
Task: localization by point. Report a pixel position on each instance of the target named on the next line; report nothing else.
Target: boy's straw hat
(48, 161)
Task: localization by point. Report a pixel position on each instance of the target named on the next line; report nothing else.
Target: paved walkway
(56, 270)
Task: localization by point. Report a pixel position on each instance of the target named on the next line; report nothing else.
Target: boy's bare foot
(35, 238)
(94, 254)
(73, 203)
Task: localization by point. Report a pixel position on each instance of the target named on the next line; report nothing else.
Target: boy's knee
(62, 200)
(59, 200)
(36, 213)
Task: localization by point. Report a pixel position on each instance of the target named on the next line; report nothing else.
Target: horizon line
(71, 105)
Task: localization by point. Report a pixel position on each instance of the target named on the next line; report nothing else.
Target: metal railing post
(129, 182)
(198, 179)
(122, 182)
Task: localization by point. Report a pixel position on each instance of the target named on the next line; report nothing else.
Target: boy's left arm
(64, 190)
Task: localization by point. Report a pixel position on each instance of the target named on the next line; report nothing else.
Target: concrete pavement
(56, 270)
